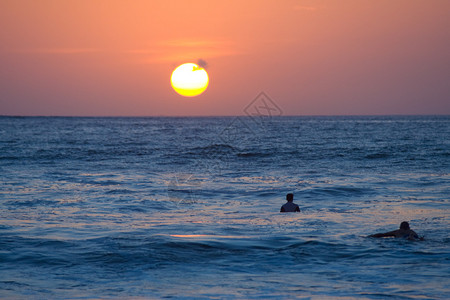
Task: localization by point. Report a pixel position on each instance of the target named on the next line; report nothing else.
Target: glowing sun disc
(189, 80)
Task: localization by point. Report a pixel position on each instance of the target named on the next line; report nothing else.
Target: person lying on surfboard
(290, 206)
(404, 232)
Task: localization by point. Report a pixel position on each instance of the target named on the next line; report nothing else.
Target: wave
(339, 191)
(225, 150)
(139, 248)
(254, 154)
(118, 191)
(211, 150)
(380, 155)
(33, 203)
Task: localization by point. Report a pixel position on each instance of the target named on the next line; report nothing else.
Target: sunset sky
(115, 58)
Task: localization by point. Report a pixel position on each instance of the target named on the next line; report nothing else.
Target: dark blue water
(189, 207)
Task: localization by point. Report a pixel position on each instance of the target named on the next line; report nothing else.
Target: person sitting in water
(290, 206)
(403, 232)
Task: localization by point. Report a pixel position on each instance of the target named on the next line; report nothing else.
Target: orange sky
(114, 58)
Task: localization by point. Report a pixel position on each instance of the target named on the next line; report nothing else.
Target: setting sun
(189, 80)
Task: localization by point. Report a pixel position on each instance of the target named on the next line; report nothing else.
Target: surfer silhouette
(290, 206)
(404, 232)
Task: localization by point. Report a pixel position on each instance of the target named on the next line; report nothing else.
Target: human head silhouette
(290, 197)
(404, 225)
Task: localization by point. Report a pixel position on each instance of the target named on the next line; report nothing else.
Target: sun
(189, 80)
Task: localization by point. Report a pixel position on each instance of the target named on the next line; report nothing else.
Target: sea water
(189, 207)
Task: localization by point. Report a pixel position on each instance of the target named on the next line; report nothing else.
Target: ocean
(188, 207)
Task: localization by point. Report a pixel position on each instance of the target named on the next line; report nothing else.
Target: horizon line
(218, 116)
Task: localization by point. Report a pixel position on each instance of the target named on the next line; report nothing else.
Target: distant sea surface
(189, 207)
